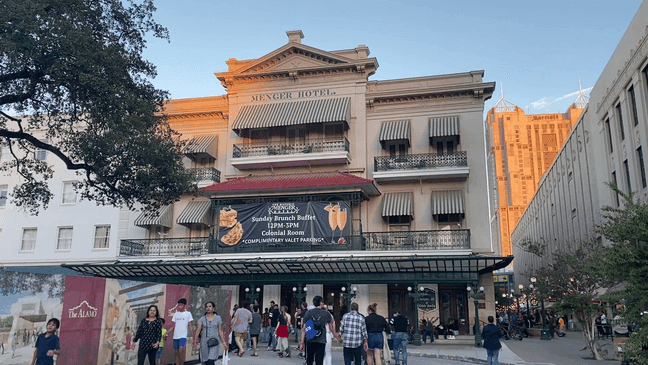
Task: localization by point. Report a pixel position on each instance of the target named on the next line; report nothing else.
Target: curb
(471, 360)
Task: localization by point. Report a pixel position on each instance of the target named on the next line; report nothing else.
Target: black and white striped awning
(444, 127)
(395, 131)
(398, 204)
(197, 212)
(448, 202)
(162, 217)
(293, 113)
(202, 145)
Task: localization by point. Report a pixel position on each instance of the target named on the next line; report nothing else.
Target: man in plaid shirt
(354, 335)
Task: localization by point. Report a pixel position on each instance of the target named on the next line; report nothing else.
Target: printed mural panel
(99, 319)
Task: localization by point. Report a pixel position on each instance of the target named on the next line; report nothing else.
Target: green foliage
(14, 282)
(626, 261)
(74, 70)
(7, 322)
(571, 275)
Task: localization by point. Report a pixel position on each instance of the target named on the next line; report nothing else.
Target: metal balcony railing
(284, 148)
(370, 241)
(418, 240)
(165, 246)
(205, 173)
(421, 161)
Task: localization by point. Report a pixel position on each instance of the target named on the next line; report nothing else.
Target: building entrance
(453, 308)
(399, 299)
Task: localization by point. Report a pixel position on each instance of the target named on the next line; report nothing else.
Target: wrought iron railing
(165, 246)
(205, 173)
(421, 161)
(418, 240)
(369, 241)
(285, 148)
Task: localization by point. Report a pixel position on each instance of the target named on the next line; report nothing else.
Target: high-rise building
(522, 147)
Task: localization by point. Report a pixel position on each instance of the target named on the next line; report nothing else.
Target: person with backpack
(313, 336)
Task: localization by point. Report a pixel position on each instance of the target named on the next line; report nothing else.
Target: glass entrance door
(453, 309)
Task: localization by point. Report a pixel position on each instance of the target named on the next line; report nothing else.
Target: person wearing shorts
(376, 324)
(182, 327)
(242, 317)
(255, 329)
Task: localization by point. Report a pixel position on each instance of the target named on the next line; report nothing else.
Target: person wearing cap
(400, 323)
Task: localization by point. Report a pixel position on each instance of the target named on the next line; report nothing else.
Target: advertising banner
(82, 318)
(277, 224)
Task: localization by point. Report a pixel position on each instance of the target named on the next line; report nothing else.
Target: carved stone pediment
(293, 57)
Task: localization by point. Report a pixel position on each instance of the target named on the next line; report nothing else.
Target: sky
(537, 51)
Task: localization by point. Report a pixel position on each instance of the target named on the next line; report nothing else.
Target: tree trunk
(589, 328)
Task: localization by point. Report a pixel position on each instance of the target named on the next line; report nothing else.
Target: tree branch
(48, 147)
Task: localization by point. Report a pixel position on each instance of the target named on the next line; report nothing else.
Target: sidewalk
(455, 352)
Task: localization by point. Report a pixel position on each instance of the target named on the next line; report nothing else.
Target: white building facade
(607, 144)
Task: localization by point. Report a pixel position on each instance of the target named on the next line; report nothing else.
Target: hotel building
(314, 180)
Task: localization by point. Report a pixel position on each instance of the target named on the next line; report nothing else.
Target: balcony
(421, 166)
(205, 176)
(418, 240)
(188, 246)
(370, 241)
(282, 154)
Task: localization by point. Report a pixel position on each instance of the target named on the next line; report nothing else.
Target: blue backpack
(313, 327)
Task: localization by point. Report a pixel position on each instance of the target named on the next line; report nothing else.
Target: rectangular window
(28, 242)
(627, 174)
(609, 134)
(69, 195)
(3, 195)
(620, 116)
(642, 168)
(5, 154)
(614, 180)
(633, 104)
(102, 236)
(64, 239)
(40, 154)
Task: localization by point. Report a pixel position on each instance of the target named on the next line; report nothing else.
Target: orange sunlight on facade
(524, 147)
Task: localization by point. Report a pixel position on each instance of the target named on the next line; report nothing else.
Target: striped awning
(196, 213)
(293, 113)
(395, 131)
(447, 202)
(162, 217)
(444, 127)
(398, 204)
(202, 145)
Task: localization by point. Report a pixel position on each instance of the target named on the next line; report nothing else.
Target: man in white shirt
(181, 327)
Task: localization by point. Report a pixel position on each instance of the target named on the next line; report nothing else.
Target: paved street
(531, 351)
(567, 350)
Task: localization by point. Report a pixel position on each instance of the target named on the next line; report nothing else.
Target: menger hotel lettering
(293, 95)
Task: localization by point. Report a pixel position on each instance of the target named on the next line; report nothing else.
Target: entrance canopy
(314, 268)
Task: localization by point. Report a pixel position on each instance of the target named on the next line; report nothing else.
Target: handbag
(211, 341)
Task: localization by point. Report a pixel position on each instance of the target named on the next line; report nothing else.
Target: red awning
(254, 184)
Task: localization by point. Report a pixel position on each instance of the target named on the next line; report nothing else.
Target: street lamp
(300, 295)
(476, 295)
(416, 296)
(349, 295)
(545, 330)
(252, 294)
